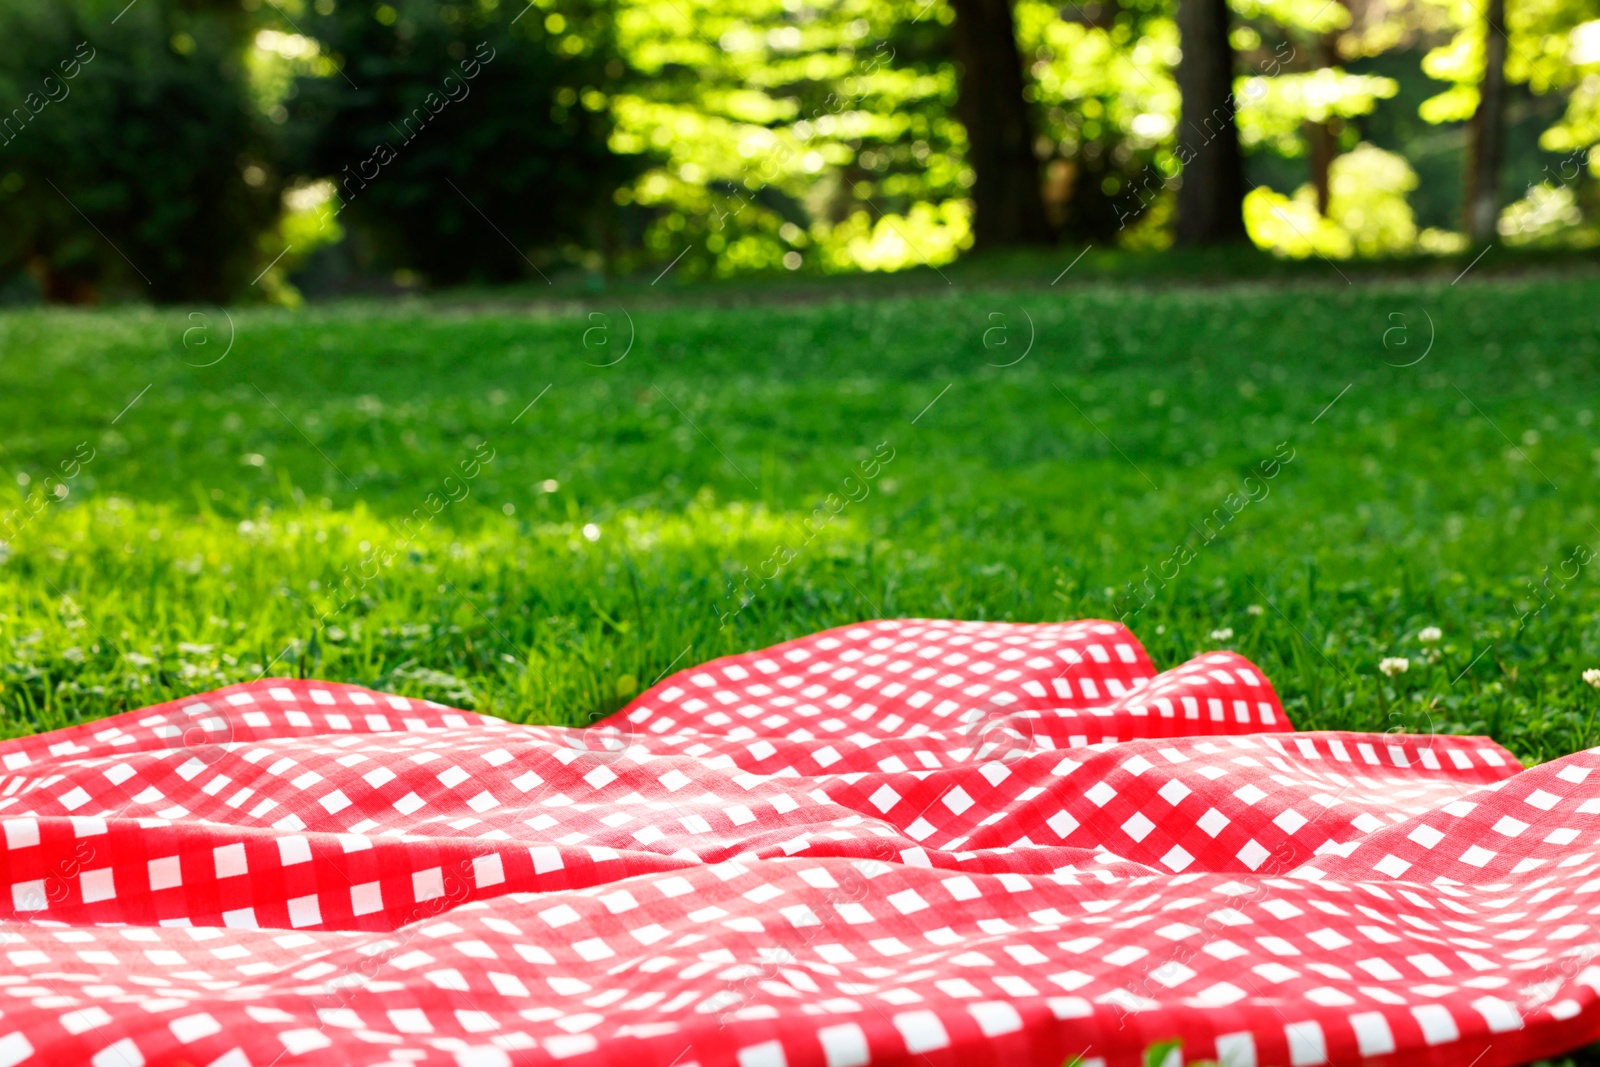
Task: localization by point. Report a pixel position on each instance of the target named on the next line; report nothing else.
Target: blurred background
(289, 150)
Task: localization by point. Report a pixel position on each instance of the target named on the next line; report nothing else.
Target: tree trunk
(1486, 134)
(1324, 147)
(1007, 203)
(1211, 196)
(1323, 137)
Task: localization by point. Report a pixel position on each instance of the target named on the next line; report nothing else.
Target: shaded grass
(276, 511)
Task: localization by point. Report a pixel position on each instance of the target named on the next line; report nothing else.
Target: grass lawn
(363, 492)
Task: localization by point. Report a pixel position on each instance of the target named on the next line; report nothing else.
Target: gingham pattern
(895, 842)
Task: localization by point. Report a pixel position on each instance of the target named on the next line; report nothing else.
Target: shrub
(131, 159)
(459, 137)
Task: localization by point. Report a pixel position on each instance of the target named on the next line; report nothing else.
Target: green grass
(219, 515)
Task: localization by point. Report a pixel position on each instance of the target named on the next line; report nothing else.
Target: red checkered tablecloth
(895, 842)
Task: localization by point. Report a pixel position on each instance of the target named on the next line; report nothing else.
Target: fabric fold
(893, 842)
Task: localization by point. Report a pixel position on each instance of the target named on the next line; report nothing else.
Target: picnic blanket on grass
(894, 842)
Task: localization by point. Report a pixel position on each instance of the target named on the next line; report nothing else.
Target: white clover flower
(1592, 676)
(1223, 634)
(1429, 634)
(1255, 609)
(1393, 665)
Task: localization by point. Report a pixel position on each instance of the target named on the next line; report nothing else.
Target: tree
(1008, 208)
(1486, 133)
(1211, 196)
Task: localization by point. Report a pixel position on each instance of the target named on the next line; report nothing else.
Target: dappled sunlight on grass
(1311, 476)
(511, 617)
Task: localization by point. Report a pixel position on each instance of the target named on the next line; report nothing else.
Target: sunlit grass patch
(513, 618)
(462, 504)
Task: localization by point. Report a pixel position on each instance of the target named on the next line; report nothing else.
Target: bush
(460, 137)
(131, 159)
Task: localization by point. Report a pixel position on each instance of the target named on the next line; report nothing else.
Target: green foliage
(1546, 51)
(462, 138)
(611, 522)
(820, 134)
(1107, 103)
(1367, 211)
(1548, 215)
(221, 149)
(131, 159)
(1279, 107)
